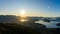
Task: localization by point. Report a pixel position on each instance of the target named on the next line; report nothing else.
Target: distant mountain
(9, 18)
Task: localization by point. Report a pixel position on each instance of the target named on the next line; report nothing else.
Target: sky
(45, 8)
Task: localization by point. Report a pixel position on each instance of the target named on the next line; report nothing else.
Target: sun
(22, 13)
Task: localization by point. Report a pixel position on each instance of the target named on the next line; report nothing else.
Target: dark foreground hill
(12, 28)
(8, 28)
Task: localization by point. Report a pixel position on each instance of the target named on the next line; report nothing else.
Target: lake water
(51, 24)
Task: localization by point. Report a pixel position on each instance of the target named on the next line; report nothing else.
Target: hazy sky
(32, 7)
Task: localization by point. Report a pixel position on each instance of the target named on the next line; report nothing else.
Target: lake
(51, 24)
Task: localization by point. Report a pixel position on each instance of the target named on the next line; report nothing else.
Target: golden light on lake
(23, 20)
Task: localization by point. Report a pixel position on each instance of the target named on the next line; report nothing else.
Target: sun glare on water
(22, 20)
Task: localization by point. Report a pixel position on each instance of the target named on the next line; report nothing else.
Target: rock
(58, 24)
